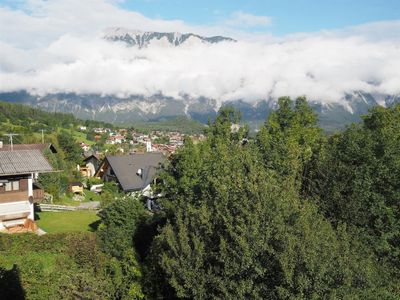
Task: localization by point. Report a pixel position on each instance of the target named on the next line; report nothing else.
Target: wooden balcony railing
(13, 196)
(38, 195)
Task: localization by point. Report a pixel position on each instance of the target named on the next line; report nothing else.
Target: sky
(286, 16)
(320, 49)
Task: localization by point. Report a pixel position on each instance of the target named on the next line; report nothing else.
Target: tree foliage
(291, 143)
(235, 231)
(290, 214)
(359, 181)
(119, 222)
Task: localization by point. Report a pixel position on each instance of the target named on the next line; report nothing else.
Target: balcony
(38, 194)
(13, 196)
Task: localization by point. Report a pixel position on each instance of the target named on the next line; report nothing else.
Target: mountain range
(157, 107)
(145, 38)
(139, 108)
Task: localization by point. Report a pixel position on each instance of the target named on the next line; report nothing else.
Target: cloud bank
(57, 46)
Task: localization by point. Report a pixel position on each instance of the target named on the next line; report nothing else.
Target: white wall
(92, 169)
(30, 193)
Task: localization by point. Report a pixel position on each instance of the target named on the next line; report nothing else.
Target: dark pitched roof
(92, 156)
(23, 162)
(40, 147)
(126, 167)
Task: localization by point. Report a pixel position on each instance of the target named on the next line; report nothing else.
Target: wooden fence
(55, 207)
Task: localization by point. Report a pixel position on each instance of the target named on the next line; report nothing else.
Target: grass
(81, 137)
(68, 221)
(67, 198)
(91, 196)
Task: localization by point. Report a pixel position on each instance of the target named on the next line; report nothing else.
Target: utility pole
(10, 135)
(42, 137)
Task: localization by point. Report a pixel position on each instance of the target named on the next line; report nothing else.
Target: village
(123, 161)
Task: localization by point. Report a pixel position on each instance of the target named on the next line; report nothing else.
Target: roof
(40, 147)
(126, 167)
(23, 162)
(96, 157)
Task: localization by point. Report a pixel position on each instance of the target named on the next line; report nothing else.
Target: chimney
(148, 146)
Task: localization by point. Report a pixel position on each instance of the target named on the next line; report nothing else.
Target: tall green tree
(69, 146)
(359, 182)
(234, 231)
(291, 143)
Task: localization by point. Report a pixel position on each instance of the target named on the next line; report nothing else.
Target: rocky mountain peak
(144, 38)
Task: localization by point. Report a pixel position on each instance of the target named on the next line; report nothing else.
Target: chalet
(133, 173)
(91, 163)
(19, 170)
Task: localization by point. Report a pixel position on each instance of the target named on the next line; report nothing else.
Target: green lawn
(67, 199)
(91, 196)
(68, 221)
(81, 137)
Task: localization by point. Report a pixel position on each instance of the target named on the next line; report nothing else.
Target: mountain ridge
(139, 108)
(144, 38)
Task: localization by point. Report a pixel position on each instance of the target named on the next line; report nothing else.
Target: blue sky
(283, 16)
(288, 16)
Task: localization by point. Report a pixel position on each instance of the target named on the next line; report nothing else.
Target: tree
(234, 231)
(359, 181)
(291, 143)
(69, 146)
(119, 222)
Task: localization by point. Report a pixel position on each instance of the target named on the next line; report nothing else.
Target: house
(19, 170)
(115, 139)
(91, 162)
(99, 130)
(85, 147)
(133, 173)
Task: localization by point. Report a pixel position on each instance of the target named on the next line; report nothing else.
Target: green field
(81, 137)
(68, 221)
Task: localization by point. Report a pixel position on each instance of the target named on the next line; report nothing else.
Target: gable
(126, 169)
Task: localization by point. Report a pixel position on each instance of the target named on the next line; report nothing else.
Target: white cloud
(56, 46)
(242, 19)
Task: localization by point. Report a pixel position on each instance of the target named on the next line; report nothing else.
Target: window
(12, 186)
(8, 186)
(15, 185)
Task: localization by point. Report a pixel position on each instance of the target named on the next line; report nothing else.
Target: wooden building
(19, 170)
